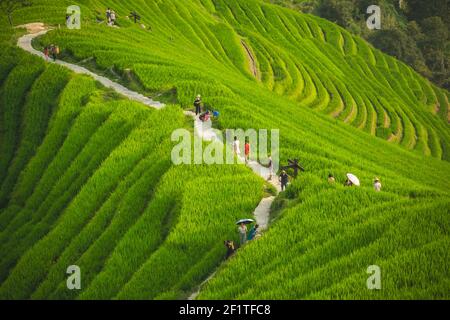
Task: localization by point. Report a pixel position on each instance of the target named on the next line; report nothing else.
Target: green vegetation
(87, 177)
(413, 31)
(99, 176)
(321, 249)
(328, 70)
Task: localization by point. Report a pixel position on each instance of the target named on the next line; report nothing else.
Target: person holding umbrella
(352, 180)
(242, 229)
(242, 234)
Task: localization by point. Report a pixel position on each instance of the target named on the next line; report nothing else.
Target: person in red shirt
(247, 151)
(46, 53)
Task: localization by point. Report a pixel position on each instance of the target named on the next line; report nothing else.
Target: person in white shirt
(377, 185)
(242, 233)
(236, 148)
(113, 18)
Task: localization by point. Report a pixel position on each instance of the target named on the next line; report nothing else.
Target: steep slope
(96, 188)
(323, 245)
(212, 46)
(98, 185)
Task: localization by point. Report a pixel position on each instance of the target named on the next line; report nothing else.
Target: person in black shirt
(230, 248)
(284, 179)
(198, 105)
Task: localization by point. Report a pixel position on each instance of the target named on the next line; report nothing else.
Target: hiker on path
(270, 165)
(284, 179)
(377, 185)
(108, 16)
(236, 147)
(46, 53)
(247, 151)
(54, 51)
(331, 179)
(230, 248)
(252, 232)
(198, 105)
(242, 229)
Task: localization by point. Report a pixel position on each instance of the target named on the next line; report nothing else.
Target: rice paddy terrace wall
(86, 176)
(302, 58)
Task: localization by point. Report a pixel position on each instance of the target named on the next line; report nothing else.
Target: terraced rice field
(306, 59)
(86, 175)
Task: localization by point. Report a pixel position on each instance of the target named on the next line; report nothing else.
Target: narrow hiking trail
(201, 129)
(25, 41)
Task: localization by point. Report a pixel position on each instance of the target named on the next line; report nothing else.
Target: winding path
(202, 129)
(24, 42)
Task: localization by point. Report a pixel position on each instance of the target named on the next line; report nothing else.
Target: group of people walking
(349, 183)
(237, 152)
(207, 115)
(245, 235)
(51, 51)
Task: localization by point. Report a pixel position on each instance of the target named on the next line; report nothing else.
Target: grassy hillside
(413, 31)
(90, 183)
(87, 177)
(321, 249)
(201, 46)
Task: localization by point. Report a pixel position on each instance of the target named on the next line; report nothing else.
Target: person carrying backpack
(252, 232)
(230, 248)
(284, 179)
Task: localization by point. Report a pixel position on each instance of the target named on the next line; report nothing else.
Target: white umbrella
(354, 179)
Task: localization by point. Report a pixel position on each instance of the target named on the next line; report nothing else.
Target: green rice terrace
(86, 176)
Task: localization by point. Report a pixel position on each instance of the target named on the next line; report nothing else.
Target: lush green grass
(320, 249)
(87, 177)
(99, 186)
(289, 49)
